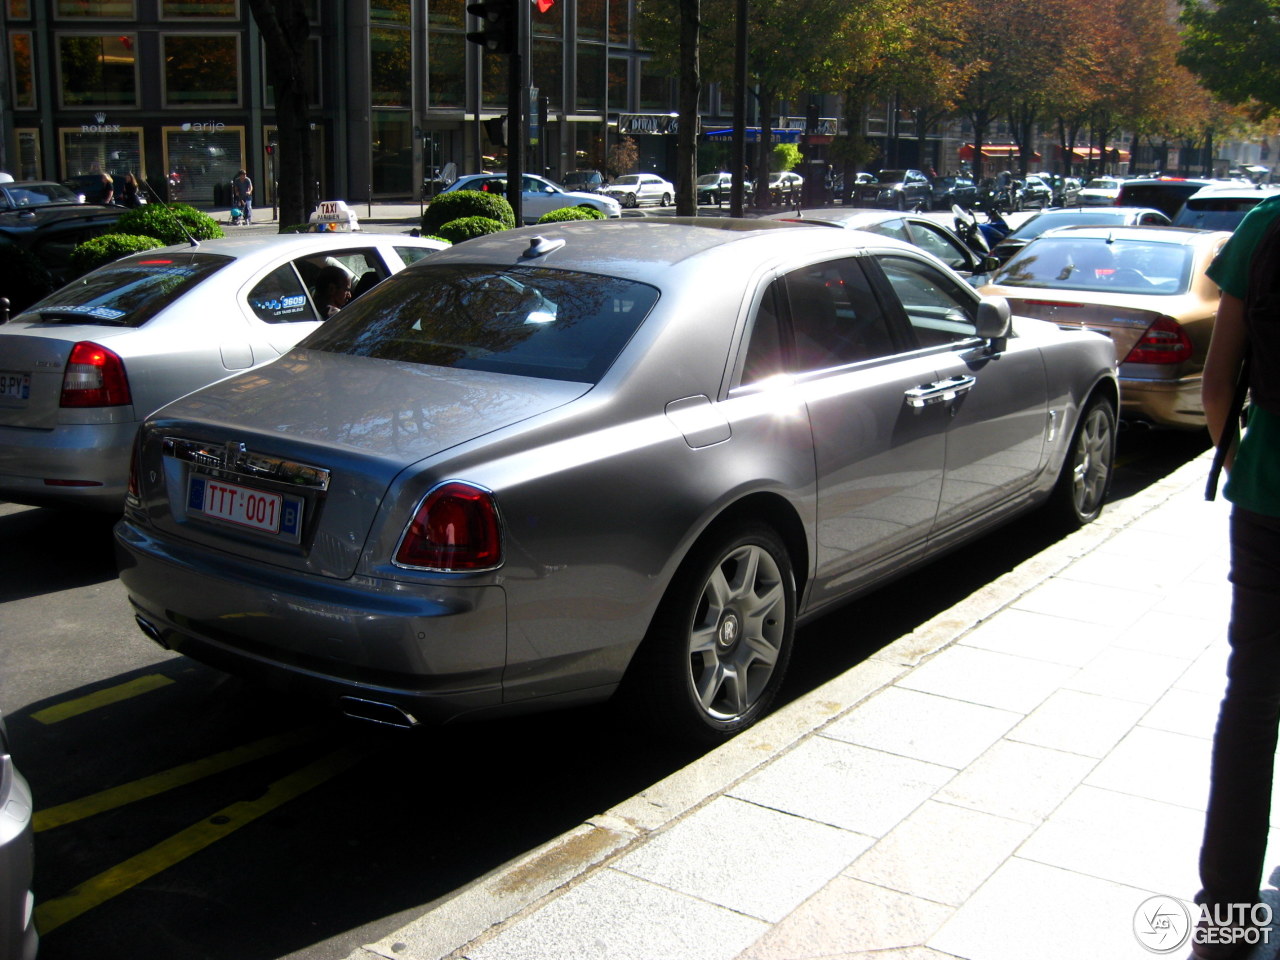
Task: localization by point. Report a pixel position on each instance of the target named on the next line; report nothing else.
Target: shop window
(203, 162)
(391, 70)
(19, 9)
(446, 14)
(96, 9)
(311, 69)
(29, 166)
(199, 9)
(23, 71)
(98, 71)
(87, 156)
(446, 69)
(590, 92)
(392, 152)
(201, 70)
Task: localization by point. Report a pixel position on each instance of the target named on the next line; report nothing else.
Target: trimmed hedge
(159, 221)
(111, 246)
(565, 214)
(460, 204)
(468, 228)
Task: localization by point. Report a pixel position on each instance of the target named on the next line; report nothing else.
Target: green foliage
(1231, 46)
(565, 214)
(110, 246)
(468, 228)
(23, 278)
(459, 204)
(157, 220)
(786, 156)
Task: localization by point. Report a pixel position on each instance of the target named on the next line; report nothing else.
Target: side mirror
(994, 318)
(990, 264)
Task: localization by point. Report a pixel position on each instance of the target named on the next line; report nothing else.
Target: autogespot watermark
(1166, 924)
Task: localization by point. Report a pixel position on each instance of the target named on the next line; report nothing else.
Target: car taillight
(1163, 342)
(94, 377)
(455, 528)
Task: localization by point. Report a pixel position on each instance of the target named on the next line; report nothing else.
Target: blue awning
(780, 134)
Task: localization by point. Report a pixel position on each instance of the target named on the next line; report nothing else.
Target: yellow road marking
(167, 780)
(102, 698)
(112, 882)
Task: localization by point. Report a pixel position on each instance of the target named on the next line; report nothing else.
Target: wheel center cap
(730, 630)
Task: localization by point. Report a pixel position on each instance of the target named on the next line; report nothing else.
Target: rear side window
(533, 322)
(128, 293)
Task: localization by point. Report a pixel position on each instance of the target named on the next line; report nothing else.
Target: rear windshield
(1039, 224)
(1080, 263)
(532, 322)
(1163, 196)
(1215, 213)
(129, 292)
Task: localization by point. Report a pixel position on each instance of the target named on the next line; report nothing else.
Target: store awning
(780, 135)
(996, 151)
(1084, 154)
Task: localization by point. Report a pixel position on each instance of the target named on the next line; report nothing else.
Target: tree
(690, 91)
(1231, 46)
(285, 34)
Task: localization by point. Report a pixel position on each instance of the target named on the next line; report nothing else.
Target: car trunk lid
(33, 360)
(1124, 324)
(290, 463)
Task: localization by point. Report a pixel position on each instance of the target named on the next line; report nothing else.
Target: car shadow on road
(52, 550)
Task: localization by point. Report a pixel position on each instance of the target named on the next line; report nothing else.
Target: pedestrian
(1244, 742)
(333, 289)
(106, 187)
(242, 196)
(129, 193)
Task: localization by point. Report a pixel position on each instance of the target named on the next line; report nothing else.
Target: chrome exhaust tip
(151, 631)
(373, 711)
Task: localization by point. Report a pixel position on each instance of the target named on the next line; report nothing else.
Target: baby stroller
(237, 217)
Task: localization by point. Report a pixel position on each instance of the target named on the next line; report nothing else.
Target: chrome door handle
(939, 391)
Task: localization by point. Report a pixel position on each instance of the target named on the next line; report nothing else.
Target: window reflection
(98, 70)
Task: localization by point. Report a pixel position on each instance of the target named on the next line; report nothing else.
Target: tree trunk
(285, 33)
(690, 92)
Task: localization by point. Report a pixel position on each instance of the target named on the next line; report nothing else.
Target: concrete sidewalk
(1014, 779)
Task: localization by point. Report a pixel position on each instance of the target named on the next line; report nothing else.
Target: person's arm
(1222, 364)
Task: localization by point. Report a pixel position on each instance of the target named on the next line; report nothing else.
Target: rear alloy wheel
(718, 648)
(1086, 474)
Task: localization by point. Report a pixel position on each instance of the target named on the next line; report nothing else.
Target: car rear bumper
(1163, 403)
(72, 465)
(18, 937)
(435, 652)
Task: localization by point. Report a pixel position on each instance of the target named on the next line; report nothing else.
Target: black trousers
(1244, 743)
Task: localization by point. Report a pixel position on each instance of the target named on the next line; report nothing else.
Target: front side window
(939, 309)
(835, 317)
(937, 243)
(525, 321)
(98, 71)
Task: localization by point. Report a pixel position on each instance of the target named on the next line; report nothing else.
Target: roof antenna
(176, 219)
(540, 247)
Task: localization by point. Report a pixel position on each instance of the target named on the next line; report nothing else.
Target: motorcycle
(981, 237)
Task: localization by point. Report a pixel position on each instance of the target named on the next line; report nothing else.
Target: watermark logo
(1162, 924)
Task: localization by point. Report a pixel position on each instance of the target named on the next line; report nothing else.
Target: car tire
(629, 201)
(666, 200)
(1086, 473)
(718, 648)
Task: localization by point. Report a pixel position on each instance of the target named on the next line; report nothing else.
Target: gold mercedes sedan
(1145, 288)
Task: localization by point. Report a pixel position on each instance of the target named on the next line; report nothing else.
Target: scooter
(980, 237)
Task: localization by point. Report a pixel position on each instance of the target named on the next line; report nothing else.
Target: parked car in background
(18, 937)
(538, 195)
(785, 187)
(639, 189)
(1101, 192)
(1145, 288)
(1036, 192)
(716, 187)
(1047, 220)
(1166, 194)
(895, 189)
(583, 181)
(1065, 190)
(435, 509)
(1221, 206)
(947, 191)
(49, 232)
(24, 194)
(86, 364)
(916, 229)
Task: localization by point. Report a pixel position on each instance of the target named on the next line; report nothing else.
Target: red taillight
(1163, 342)
(95, 377)
(455, 528)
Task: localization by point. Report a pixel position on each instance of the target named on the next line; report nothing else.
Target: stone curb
(526, 883)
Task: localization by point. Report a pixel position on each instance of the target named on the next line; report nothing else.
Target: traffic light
(499, 22)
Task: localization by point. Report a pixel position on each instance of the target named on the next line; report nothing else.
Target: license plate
(15, 386)
(245, 506)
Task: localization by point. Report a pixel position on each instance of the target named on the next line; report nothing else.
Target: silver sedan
(555, 464)
(80, 369)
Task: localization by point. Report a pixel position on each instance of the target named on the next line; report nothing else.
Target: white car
(538, 195)
(80, 369)
(637, 189)
(1101, 192)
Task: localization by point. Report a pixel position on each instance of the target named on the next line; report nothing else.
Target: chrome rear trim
(233, 458)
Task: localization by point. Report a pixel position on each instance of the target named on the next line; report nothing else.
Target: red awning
(996, 151)
(1086, 154)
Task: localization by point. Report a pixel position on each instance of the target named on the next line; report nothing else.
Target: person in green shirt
(1244, 743)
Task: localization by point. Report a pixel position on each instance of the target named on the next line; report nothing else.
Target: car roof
(646, 249)
(1184, 235)
(1236, 190)
(301, 243)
